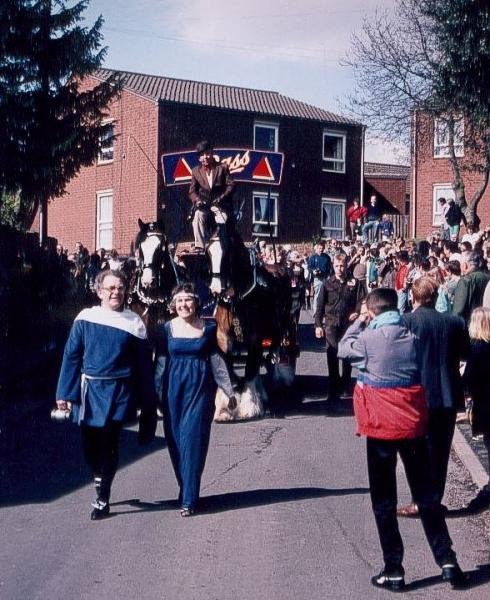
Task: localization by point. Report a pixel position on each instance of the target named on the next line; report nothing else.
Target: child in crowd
(476, 382)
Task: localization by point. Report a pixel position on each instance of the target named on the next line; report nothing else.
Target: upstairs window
(106, 143)
(334, 151)
(441, 138)
(266, 136)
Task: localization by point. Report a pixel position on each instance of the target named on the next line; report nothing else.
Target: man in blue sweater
(319, 267)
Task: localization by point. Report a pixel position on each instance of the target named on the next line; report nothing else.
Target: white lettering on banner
(237, 163)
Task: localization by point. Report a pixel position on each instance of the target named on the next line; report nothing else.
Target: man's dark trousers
(335, 384)
(382, 458)
(440, 431)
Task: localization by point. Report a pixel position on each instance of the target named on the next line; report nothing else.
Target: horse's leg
(215, 252)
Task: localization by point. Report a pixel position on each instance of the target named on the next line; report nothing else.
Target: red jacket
(398, 413)
(401, 277)
(354, 213)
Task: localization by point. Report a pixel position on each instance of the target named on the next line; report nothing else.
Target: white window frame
(107, 225)
(340, 161)
(441, 138)
(440, 190)
(274, 197)
(338, 230)
(100, 157)
(267, 125)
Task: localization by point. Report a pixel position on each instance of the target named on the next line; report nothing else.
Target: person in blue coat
(192, 371)
(106, 374)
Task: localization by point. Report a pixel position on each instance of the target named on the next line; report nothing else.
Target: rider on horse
(211, 193)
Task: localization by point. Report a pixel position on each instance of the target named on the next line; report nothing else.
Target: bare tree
(396, 61)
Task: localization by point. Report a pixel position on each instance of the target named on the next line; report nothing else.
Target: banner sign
(248, 166)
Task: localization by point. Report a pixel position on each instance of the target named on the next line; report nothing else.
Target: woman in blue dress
(193, 370)
(105, 375)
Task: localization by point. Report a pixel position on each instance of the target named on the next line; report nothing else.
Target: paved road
(285, 514)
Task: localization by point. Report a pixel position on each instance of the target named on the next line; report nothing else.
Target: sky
(294, 48)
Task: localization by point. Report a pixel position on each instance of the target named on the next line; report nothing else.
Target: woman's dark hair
(382, 300)
(187, 288)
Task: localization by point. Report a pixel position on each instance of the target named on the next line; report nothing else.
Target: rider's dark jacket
(220, 193)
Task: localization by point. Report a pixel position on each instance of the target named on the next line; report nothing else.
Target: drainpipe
(363, 142)
(413, 191)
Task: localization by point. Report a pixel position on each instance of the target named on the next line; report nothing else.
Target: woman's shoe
(186, 511)
(100, 510)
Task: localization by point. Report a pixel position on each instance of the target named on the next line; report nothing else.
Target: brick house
(391, 184)
(432, 176)
(155, 115)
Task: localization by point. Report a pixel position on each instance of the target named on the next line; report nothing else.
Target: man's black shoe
(392, 581)
(452, 573)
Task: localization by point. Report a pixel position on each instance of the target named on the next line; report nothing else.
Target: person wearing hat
(211, 193)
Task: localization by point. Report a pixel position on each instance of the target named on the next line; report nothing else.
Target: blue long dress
(192, 371)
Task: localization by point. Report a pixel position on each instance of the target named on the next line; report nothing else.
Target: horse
(154, 277)
(253, 312)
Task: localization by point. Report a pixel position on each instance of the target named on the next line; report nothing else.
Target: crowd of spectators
(41, 289)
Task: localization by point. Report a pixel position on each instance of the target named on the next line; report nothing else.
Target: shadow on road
(238, 500)
(476, 577)
(308, 396)
(42, 461)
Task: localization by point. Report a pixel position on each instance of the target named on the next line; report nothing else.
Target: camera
(60, 415)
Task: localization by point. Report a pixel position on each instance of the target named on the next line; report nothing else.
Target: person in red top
(354, 213)
(401, 275)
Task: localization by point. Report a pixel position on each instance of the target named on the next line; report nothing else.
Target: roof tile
(222, 96)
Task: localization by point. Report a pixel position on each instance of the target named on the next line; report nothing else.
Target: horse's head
(150, 247)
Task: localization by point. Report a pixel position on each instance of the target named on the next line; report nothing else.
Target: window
(266, 136)
(106, 140)
(333, 218)
(440, 190)
(334, 151)
(264, 212)
(441, 138)
(104, 219)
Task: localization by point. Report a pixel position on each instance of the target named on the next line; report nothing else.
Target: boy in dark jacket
(391, 410)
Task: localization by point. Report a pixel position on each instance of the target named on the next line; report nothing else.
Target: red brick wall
(392, 189)
(429, 171)
(131, 176)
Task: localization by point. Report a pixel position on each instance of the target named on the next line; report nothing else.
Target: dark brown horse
(254, 314)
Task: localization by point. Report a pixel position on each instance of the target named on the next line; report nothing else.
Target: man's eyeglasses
(115, 288)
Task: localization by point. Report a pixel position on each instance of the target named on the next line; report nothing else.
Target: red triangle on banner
(182, 170)
(263, 170)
